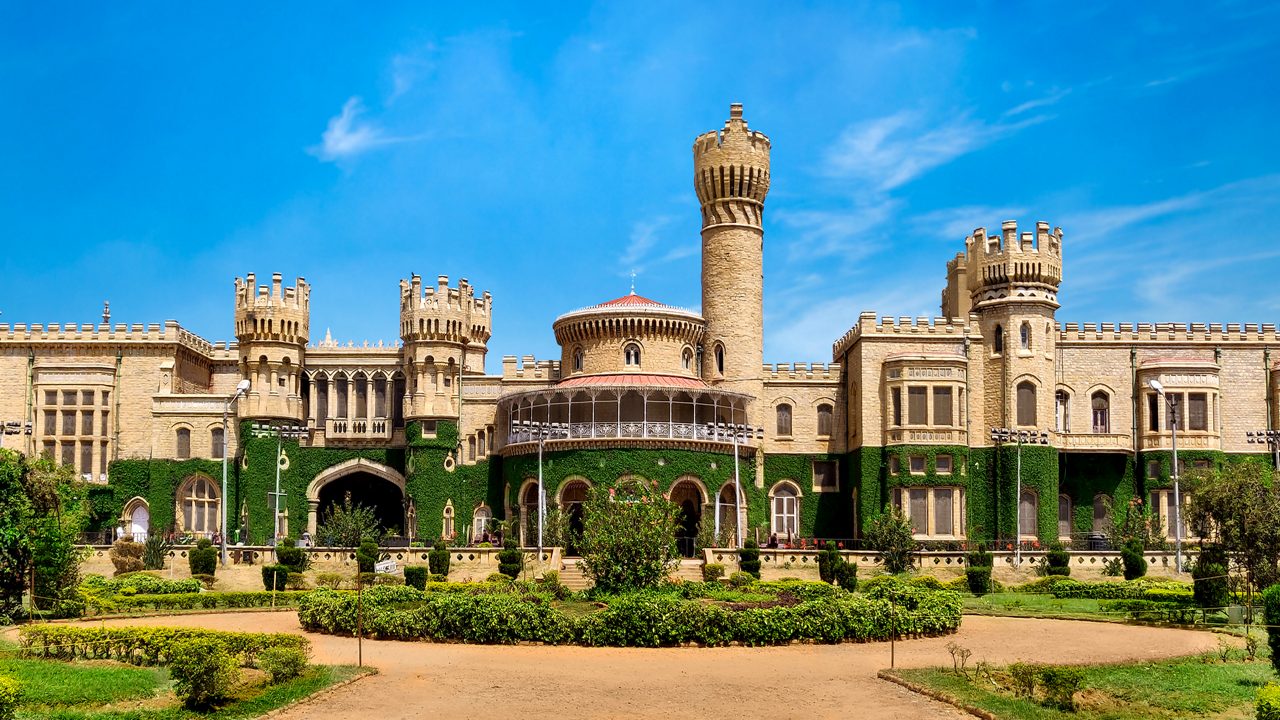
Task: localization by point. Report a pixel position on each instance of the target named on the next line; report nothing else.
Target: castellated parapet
(446, 333)
(272, 328)
(1013, 264)
(731, 172)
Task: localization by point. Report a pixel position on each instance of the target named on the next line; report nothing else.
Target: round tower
(731, 177)
(446, 333)
(1013, 282)
(272, 327)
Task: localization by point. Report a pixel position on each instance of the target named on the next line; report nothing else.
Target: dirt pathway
(423, 680)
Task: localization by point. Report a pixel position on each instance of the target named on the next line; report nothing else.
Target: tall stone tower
(731, 177)
(272, 327)
(1013, 284)
(446, 333)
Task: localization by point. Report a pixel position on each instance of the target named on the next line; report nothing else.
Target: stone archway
(353, 475)
(689, 496)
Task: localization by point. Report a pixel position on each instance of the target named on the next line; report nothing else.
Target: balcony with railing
(1098, 441)
(377, 428)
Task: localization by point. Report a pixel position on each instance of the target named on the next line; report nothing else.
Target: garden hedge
(142, 645)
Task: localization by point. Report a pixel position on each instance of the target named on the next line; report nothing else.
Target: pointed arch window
(447, 525)
(1025, 335)
(784, 420)
(1101, 403)
(1064, 516)
(998, 342)
(198, 503)
(686, 359)
(719, 358)
(1026, 403)
(826, 415)
(577, 359)
(631, 355)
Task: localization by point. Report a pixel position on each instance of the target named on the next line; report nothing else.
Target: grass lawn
(105, 690)
(1037, 605)
(1183, 688)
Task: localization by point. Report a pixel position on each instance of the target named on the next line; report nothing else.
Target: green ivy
(156, 481)
(433, 487)
(822, 514)
(1085, 475)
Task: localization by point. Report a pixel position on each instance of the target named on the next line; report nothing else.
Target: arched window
(1061, 411)
(480, 444)
(631, 354)
(728, 519)
(577, 359)
(216, 443)
(1101, 512)
(719, 358)
(998, 342)
(1101, 412)
(448, 521)
(1026, 403)
(1028, 505)
(825, 413)
(471, 448)
(686, 359)
(1025, 335)
(784, 419)
(786, 511)
(1064, 516)
(198, 502)
(480, 522)
(184, 444)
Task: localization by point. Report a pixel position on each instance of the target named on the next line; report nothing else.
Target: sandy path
(422, 680)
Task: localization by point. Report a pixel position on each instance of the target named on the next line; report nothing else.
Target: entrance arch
(573, 494)
(688, 495)
(136, 519)
(370, 483)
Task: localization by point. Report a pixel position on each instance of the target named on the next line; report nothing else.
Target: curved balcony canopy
(622, 410)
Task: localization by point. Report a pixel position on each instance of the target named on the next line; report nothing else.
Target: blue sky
(151, 152)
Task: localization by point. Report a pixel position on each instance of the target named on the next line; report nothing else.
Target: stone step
(572, 576)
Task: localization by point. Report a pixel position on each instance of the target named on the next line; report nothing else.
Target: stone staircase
(572, 577)
(689, 570)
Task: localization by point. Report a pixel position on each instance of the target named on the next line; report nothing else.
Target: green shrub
(1060, 686)
(155, 550)
(1267, 705)
(195, 600)
(1135, 565)
(367, 555)
(1113, 567)
(206, 581)
(628, 538)
(833, 568)
(10, 693)
(550, 584)
(438, 558)
(1024, 677)
(978, 579)
(511, 559)
(203, 671)
(712, 572)
(331, 580)
(1211, 587)
(1271, 616)
(1057, 560)
(145, 584)
(141, 645)
(282, 663)
(126, 556)
(275, 577)
(749, 559)
(292, 556)
(980, 556)
(741, 580)
(498, 577)
(891, 534)
(203, 558)
(415, 576)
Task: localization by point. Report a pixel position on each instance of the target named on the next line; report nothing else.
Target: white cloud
(347, 135)
(1050, 99)
(955, 224)
(843, 233)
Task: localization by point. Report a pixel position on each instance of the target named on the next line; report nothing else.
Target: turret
(731, 177)
(445, 330)
(272, 327)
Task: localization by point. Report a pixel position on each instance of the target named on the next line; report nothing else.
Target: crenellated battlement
(801, 371)
(168, 332)
(1013, 258)
(731, 172)
(444, 314)
(272, 313)
(528, 368)
(1169, 332)
(937, 327)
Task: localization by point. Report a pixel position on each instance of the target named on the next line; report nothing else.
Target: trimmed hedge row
(138, 584)
(642, 619)
(143, 645)
(1061, 587)
(191, 601)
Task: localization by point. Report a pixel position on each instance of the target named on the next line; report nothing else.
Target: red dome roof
(631, 299)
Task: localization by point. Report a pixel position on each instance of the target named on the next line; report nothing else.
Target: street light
(1030, 437)
(281, 431)
(542, 431)
(241, 388)
(1172, 400)
(1267, 437)
(14, 427)
(737, 432)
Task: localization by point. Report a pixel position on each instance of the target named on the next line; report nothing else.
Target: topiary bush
(977, 571)
(275, 577)
(712, 572)
(282, 663)
(10, 693)
(1271, 616)
(1211, 588)
(510, 560)
(1060, 686)
(126, 556)
(415, 576)
(203, 671)
(1267, 705)
(1057, 560)
(289, 554)
(438, 558)
(741, 580)
(1135, 565)
(203, 558)
(749, 559)
(367, 555)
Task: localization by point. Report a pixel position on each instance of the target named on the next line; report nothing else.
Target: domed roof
(631, 302)
(629, 299)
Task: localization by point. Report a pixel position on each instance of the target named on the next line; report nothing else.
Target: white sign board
(386, 566)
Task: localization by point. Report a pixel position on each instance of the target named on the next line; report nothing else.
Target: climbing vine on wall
(822, 514)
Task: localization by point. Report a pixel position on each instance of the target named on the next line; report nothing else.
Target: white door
(139, 523)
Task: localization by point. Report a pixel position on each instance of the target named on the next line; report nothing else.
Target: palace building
(901, 415)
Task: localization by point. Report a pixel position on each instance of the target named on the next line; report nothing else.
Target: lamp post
(1029, 437)
(281, 431)
(542, 431)
(1267, 437)
(736, 432)
(241, 389)
(14, 427)
(1172, 400)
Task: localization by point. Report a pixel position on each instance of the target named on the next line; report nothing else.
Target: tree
(45, 509)
(1134, 524)
(348, 524)
(628, 536)
(1239, 506)
(891, 534)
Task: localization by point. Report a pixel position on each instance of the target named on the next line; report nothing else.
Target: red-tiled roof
(629, 299)
(674, 381)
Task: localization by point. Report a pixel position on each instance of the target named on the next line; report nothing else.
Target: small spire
(106, 312)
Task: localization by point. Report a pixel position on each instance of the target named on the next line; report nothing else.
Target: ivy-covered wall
(822, 514)
(1085, 475)
(433, 486)
(156, 481)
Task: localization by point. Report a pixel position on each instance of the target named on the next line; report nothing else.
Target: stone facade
(902, 414)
